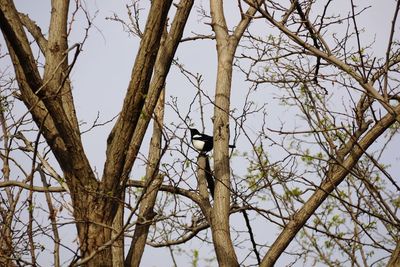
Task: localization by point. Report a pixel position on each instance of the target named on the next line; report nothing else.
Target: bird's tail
(209, 178)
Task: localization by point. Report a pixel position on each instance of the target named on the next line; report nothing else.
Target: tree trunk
(203, 175)
(153, 183)
(395, 258)
(118, 235)
(220, 214)
(94, 226)
(226, 47)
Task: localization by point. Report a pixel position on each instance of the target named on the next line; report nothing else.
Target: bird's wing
(207, 137)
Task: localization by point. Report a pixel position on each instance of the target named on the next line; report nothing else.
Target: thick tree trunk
(220, 214)
(226, 47)
(117, 165)
(94, 225)
(395, 258)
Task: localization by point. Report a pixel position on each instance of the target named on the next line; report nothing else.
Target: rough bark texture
(161, 69)
(395, 258)
(117, 249)
(117, 154)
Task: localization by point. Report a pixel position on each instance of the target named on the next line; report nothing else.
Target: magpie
(202, 142)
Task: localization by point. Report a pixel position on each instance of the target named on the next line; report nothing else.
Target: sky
(102, 72)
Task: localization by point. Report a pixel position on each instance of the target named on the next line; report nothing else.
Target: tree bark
(6, 244)
(153, 183)
(203, 170)
(226, 47)
(220, 214)
(123, 130)
(117, 250)
(161, 69)
(395, 257)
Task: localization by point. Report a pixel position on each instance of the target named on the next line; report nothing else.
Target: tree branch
(35, 31)
(119, 156)
(153, 182)
(161, 68)
(339, 171)
(32, 188)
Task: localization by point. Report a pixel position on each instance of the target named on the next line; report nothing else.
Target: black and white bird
(202, 142)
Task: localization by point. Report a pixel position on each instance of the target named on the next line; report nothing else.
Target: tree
(342, 157)
(49, 99)
(318, 175)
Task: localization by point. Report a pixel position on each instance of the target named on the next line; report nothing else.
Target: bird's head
(193, 131)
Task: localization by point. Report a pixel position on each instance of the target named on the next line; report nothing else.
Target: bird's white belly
(198, 144)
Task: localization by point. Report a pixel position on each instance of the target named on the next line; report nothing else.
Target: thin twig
(253, 242)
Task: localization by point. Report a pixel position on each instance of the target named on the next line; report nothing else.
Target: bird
(202, 142)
